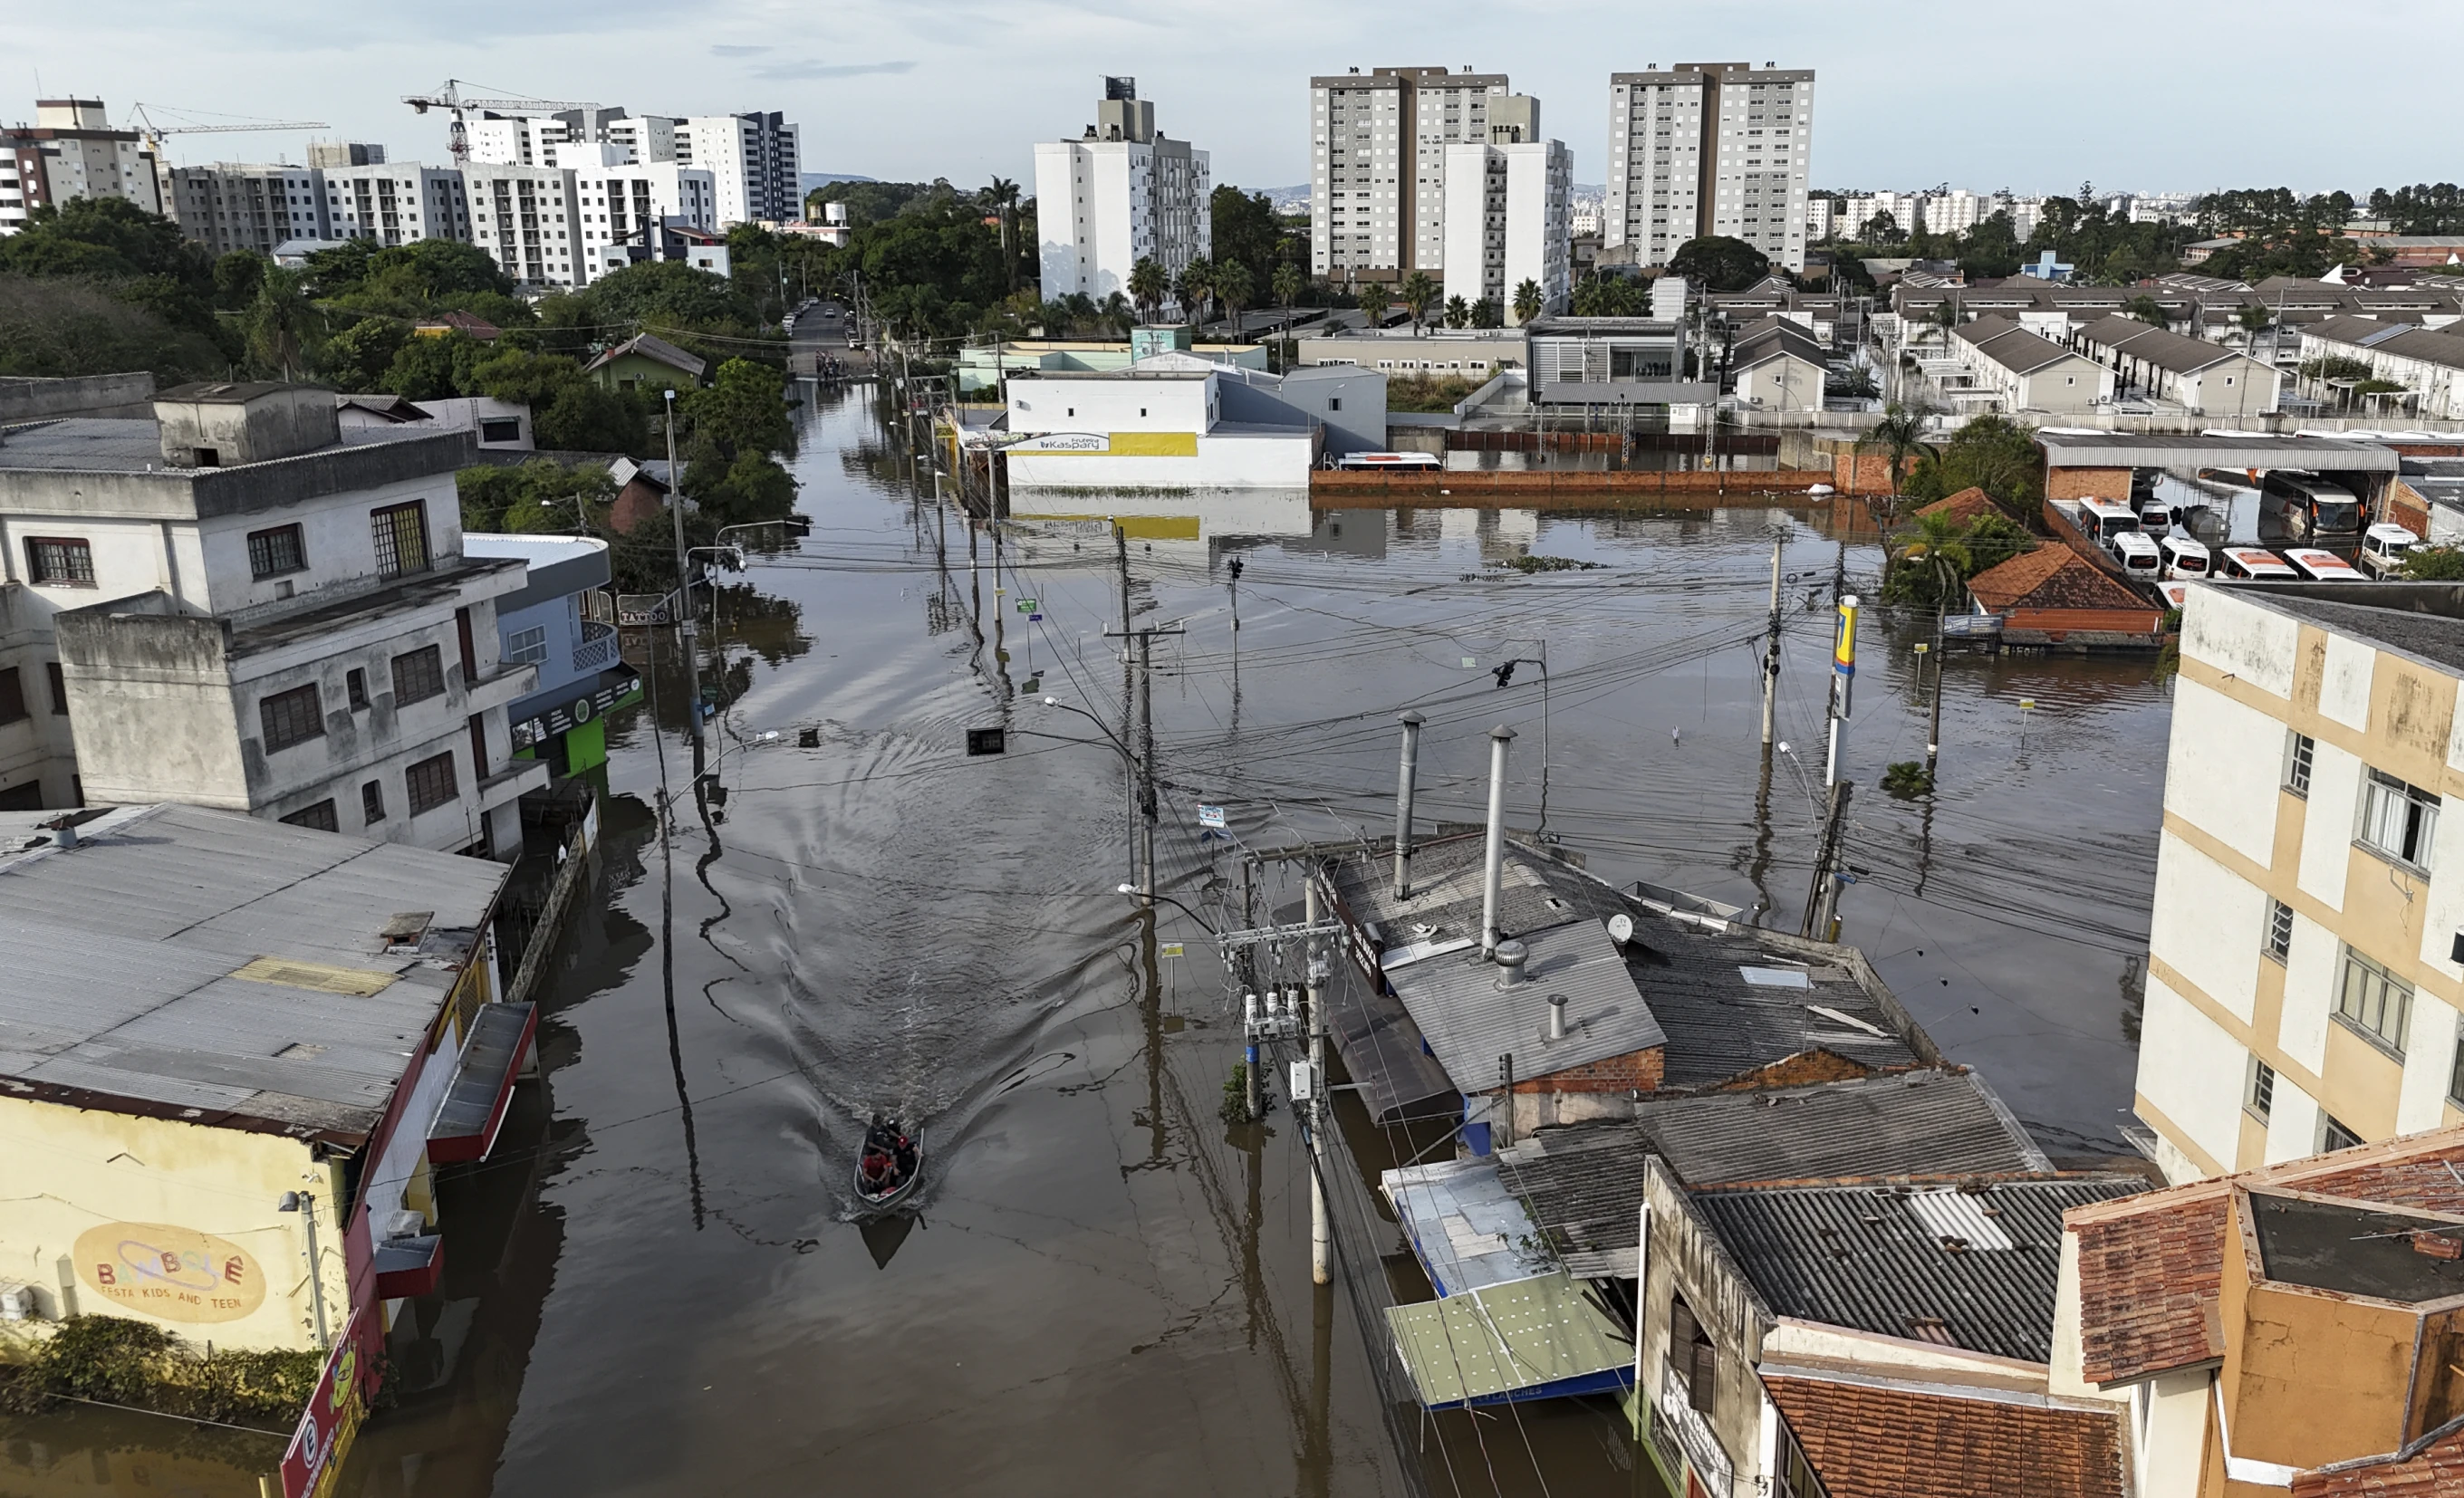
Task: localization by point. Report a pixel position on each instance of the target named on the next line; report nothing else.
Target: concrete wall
(110, 395)
(1349, 405)
(1683, 1257)
(277, 424)
(89, 1189)
(2191, 1078)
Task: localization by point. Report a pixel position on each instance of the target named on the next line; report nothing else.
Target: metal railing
(599, 647)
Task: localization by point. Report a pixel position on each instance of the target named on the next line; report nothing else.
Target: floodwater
(656, 1287)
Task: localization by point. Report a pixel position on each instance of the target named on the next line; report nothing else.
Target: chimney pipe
(1498, 738)
(1557, 1017)
(1406, 783)
(1511, 956)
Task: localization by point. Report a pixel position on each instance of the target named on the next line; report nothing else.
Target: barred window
(275, 552)
(320, 816)
(13, 696)
(527, 645)
(60, 561)
(430, 782)
(2260, 1098)
(2280, 930)
(292, 718)
(400, 534)
(372, 802)
(2374, 1000)
(2398, 819)
(2299, 750)
(418, 675)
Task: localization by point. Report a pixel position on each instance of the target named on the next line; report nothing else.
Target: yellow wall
(114, 1193)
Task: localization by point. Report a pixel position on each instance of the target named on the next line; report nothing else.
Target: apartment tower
(1710, 148)
(1378, 171)
(1118, 194)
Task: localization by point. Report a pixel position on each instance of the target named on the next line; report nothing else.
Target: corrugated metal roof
(1525, 1339)
(1860, 1256)
(1472, 1019)
(1905, 1123)
(1468, 1229)
(2188, 452)
(1583, 1186)
(121, 952)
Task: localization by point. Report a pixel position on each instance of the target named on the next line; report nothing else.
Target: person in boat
(876, 1172)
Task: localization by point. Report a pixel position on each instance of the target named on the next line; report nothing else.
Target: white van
(2384, 546)
(2253, 564)
(2155, 518)
(2104, 520)
(2140, 556)
(2184, 557)
(2322, 566)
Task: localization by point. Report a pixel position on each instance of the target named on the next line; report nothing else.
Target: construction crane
(154, 133)
(451, 97)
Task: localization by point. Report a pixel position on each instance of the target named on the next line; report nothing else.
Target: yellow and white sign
(173, 1273)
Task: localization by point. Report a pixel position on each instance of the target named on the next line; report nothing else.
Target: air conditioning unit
(20, 1303)
(405, 1223)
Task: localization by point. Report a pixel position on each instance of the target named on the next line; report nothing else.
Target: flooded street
(656, 1286)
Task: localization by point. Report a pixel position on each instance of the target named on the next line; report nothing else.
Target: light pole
(305, 1205)
(1129, 758)
(684, 593)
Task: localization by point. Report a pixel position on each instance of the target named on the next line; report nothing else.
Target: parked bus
(1372, 460)
(2384, 546)
(2322, 566)
(2253, 564)
(2184, 557)
(2308, 506)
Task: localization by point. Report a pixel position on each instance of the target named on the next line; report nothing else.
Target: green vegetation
(1908, 780)
(1930, 569)
(1527, 564)
(1994, 454)
(99, 285)
(1427, 392)
(2434, 564)
(1719, 263)
(117, 1361)
(2336, 367)
(1249, 234)
(2422, 209)
(1611, 296)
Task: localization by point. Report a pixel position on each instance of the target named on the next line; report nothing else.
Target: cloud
(725, 50)
(791, 72)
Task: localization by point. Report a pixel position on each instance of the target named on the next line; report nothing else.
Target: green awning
(1538, 1338)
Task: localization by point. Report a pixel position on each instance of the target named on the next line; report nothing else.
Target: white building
(514, 140)
(230, 206)
(1171, 421)
(1377, 172)
(1817, 219)
(754, 160)
(1508, 214)
(1710, 148)
(394, 203)
(234, 607)
(72, 152)
(615, 198)
(1119, 194)
(527, 218)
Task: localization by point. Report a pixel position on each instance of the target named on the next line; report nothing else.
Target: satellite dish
(1621, 927)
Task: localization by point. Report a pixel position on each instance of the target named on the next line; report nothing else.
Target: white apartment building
(752, 158)
(2302, 975)
(71, 151)
(394, 203)
(232, 206)
(1378, 171)
(231, 606)
(1507, 220)
(1710, 148)
(1119, 194)
(529, 220)
(1817, 219)
(614, 197)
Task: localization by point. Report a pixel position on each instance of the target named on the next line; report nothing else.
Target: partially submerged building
(2053, 596)
(1171, 421)
(562, 624)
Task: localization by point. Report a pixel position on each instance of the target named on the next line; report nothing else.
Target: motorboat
(889, 1165)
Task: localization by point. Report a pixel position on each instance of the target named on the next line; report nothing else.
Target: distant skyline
(2187, 96)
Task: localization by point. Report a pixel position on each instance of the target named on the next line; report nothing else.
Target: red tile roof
(2436, 1468)
(1867, 1441)
(2051, 576)
(1964, 506)
(2150, 1265)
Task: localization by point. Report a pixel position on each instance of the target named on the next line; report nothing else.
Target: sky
(2170, 95)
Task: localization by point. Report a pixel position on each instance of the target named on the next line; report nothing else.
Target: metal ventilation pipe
(1511, 956)
(1557, 1017)
(1499, 738)
(1406, 783)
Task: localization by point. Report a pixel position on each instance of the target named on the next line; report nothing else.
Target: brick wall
(1635, 1072)
(1802, 1069)
(2088, 483)
(2406, 507)
(1328, 489)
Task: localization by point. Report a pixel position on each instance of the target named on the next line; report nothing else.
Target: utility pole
(1933, 716)
(1840, 575)
(1822, 901)
(1128, 709)
(1843, 681)
(1321, 1229)
(1143, 832)
(1407, 784)
(1770, 652)
(687, 626)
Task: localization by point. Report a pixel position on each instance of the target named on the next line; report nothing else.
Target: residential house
(1169, 421)
(2203, 377)
(2011, 369)
(2055, 596)
(647, 362)
(2428, 364)
(495, 426)
(562, 623)
(1778, 366)
(2305, 966)
(1612, 362)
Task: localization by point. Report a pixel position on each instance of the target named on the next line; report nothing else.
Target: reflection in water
(884, 1232)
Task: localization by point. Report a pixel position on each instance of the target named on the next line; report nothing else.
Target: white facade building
(394, 203)
(527, 218)
(232, 607)
(752, 158)
(1710, 148)
(1378, 171)
(615, 198)
(230, 206)
(1508, 212)
(1171, 421)
(71, 151)
(1119, 194)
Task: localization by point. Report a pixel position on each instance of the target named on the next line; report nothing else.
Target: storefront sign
(172, 1273)
(332, 1415)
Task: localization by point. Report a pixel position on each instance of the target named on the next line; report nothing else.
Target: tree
(237, 278)
(2255, 318)
(2149, 309)
(1528, 300)
(1719, 263)
(1287, 284)
(1245, 230)
(1149, 286)
(1484, 314)
(1375, 301)
(1419, 292)
(1002, 197)
(1196, 283)
(279, 323)
(432, 366)
(1899, 433)
(356, 360)
(1458, 312)
(1990, 452)
(1944, 321)
(2434, 564)
(1232, 288)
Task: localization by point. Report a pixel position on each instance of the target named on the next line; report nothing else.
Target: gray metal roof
(2012, 346)
(1471, 1019)
(134, 445)
(1468, 1228)
(1977, 1268)
(124, 955)
(1729, 1003)
(1907, 1123)
(1583, 1189)
(2188, 452)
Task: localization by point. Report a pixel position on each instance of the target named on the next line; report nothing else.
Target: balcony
(598, 649)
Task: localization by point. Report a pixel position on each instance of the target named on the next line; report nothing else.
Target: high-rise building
(1710, 148)
(1378, 173)
(1508, 212)
(526, 218)
(395, 202)
(1118, 194)
(615, 198)
(345, 153)
(232, 206)
(72, 152)
(752, 158)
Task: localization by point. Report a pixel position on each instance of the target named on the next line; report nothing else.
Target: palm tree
(1003, 196)
(1899, 433)
(1943, 318)
(1484, 314)
(1458, 312)
(279, 322)
(2254, 320)
(1196, 284)
(1930, 567)
(1232, 288)
(1420, 294)
(1288, 283)
(1149, 286)
(1528, 301)
(1374, 301)
(1119, 314)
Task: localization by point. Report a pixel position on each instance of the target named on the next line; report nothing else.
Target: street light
(305, 1205)
(1132, 890)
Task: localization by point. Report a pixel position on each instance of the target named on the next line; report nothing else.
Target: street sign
(1026, 605)
(987, 741)
(1170, 949)
(1210, 816)
(1035, 619)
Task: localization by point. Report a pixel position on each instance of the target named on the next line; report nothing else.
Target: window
(2298, 751)
(2397, 819)
(2374, 1000)
(13, 696)
(372, 803)
(430, 782)
(291, 718)
(275, 552)
(418, 675)
(2280, 930)
(527, 645)
(355, 681)
(400, 534)
(2259, 1095)
(60, 561)
(320, 816)
(1692, 1356)
(500, 429)
(2334, 1136)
